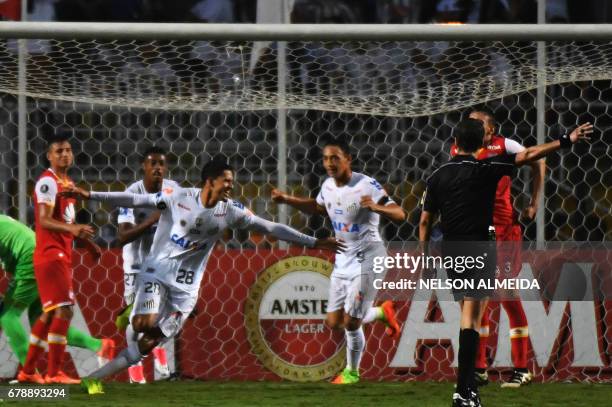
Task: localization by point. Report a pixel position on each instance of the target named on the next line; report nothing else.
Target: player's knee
(64, 312)
(351, 323)
(333, 321)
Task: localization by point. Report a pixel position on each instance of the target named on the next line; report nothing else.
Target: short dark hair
(340, 142)
(214, 169)
(56, 138)
(469, 135)
(487, 113)
(152, 150)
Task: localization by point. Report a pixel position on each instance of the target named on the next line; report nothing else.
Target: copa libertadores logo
(285, 320)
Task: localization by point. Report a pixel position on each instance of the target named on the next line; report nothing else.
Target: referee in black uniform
(462, 191)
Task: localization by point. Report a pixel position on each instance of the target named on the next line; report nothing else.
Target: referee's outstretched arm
(534, 153)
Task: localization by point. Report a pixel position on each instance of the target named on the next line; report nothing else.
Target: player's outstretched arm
(534, 153)
(288, 234)
(306, 205)
(125, 199)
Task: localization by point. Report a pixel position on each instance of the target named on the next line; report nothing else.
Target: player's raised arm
(534, 153)
(306, 205)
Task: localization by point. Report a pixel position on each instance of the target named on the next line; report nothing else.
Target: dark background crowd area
(323, 11)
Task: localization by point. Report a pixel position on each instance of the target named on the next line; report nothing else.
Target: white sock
(127, 357)
(355, 343)
(373, 314)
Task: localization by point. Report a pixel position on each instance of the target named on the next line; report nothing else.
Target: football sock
(82, 340)
(127, 357)
(160, 354)
(468, 346)
(136, 373)
(355, 343)
(38, 336)
(56, 338)
(15, 334)
(519, 333)
(373, 314)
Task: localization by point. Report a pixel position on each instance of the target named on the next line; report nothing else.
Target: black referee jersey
(463, 192)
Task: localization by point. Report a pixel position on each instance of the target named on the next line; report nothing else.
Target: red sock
(37, 346)
(57, 344)
(519, 334)
(160, 354)
(481, 357)
(136, 373)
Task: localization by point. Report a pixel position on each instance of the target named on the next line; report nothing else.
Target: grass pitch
(197, 393)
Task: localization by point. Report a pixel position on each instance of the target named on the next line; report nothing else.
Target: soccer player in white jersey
(191, 222)
(136, 230)
(354, 203)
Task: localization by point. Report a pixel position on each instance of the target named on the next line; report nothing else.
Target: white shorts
(351, 286)
(350, 294)
(129, 287)
(172, 306)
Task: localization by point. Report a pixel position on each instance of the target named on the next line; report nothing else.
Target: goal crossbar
(306, 32)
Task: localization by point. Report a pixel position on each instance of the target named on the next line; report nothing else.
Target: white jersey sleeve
(378, 193)
(241, 217)
(46, 191)
(513, 147)
(126, 215)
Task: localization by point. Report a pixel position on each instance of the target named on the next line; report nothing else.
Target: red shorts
(509, 243)
(54, 279)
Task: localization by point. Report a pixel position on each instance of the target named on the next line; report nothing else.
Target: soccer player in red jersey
(55, 231)
(507, 229)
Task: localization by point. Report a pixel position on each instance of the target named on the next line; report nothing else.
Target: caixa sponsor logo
(345, 227)
(181, 241)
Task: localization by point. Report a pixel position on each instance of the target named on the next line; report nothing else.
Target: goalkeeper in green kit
(17, 243)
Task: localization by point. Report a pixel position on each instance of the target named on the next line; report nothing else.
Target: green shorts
(21, 293)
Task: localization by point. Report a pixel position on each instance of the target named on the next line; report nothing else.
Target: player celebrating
(191, 222)
(55, 232)
(136, 230)
(17, 243)
(354, 202)
(507, 229)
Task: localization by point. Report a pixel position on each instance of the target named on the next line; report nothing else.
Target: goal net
(264, 107)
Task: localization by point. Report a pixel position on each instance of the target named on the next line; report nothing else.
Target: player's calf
(351, 323)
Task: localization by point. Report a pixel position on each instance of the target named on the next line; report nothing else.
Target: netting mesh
(398, 103)
(376, 78)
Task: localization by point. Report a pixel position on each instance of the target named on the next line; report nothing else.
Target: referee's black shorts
(471, 278)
